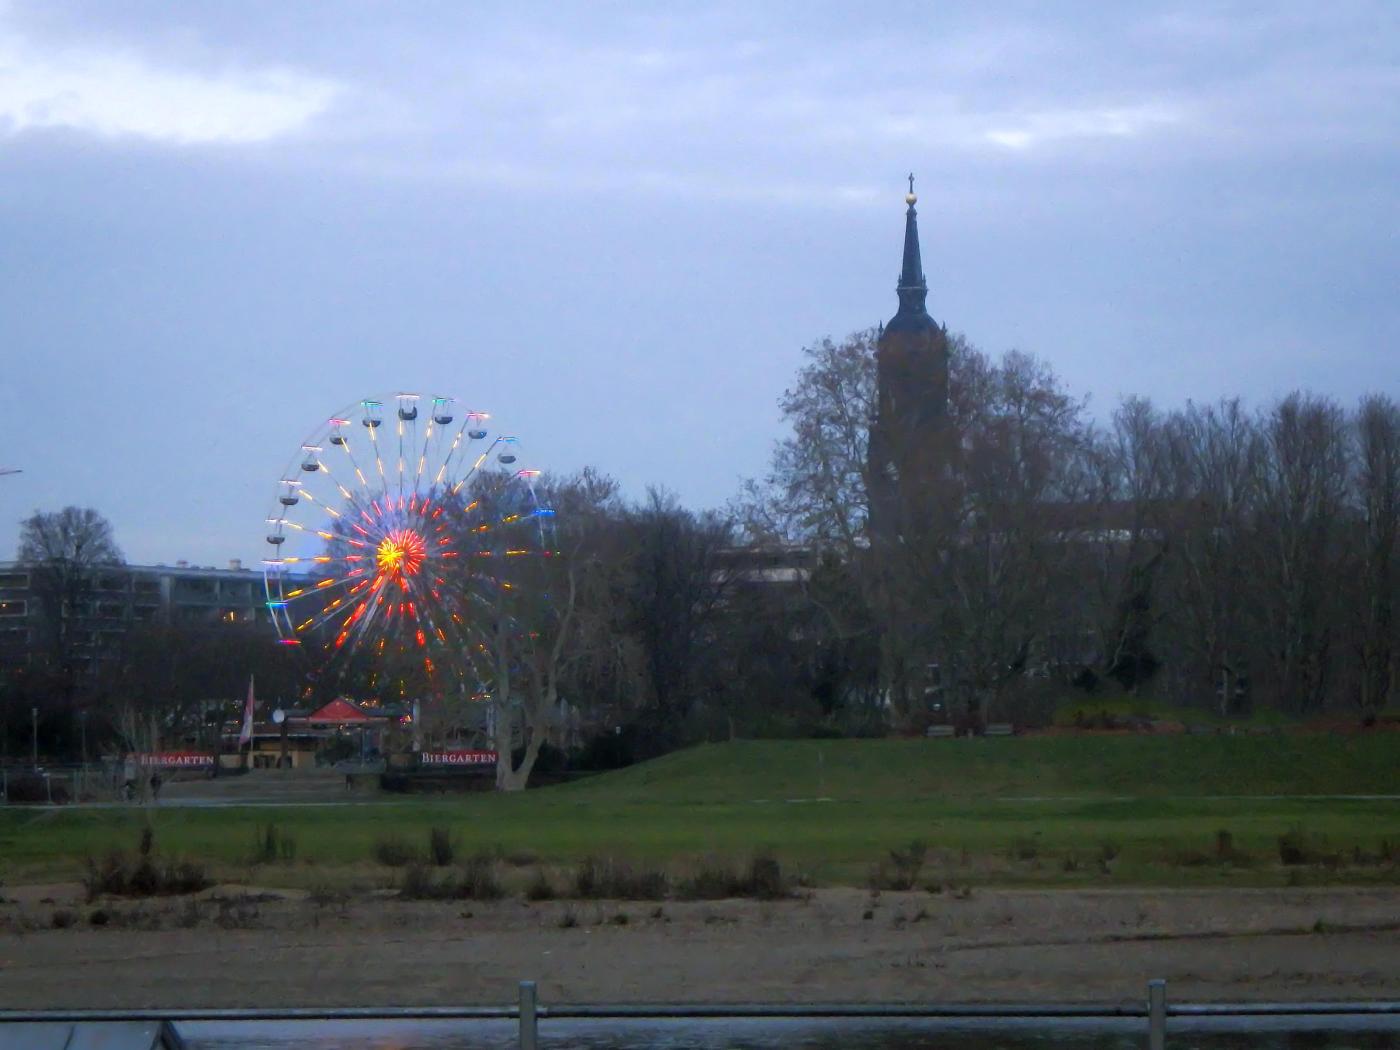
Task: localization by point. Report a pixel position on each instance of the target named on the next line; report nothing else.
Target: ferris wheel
(393, 532)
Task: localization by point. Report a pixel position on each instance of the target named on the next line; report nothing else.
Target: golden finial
(910, 198)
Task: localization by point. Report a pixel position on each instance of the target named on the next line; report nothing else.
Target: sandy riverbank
(995, 945)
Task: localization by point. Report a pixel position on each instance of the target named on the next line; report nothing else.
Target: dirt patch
(235, 947)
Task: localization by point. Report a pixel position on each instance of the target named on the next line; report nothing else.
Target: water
(1254, 1033)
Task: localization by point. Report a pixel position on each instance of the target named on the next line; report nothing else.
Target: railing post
(1157, 1015)
(529, 1025)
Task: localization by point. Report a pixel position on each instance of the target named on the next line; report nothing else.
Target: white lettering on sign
(174, 759)
(458, 758)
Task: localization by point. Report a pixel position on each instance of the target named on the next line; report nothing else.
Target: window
(194, 588)
(14, 607)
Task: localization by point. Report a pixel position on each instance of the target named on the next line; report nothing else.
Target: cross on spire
(912, 287)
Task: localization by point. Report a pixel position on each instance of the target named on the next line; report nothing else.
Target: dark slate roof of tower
(912, 315)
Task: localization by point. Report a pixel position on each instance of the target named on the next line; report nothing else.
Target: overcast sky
(614, 226)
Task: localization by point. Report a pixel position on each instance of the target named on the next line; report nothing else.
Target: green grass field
(1138, 810)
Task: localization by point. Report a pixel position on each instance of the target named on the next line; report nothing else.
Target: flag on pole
(245, 735)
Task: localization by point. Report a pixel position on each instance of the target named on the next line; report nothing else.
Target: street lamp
(34, 720)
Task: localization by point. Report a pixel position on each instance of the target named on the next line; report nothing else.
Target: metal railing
(527, 1011)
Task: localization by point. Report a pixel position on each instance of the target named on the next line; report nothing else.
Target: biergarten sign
(457, 758)
(174, 759)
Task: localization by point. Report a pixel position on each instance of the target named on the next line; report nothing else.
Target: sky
(614, 226)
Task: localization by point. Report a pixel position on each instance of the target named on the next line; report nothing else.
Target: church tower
(907, 453)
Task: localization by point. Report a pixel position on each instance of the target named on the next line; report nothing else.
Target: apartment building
(120, 597)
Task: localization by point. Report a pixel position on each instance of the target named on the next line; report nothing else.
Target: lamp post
(280, 717)
(34, 720)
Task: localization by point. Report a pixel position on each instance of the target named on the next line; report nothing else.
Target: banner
(174, 759)
(457, 758)
(245, 735)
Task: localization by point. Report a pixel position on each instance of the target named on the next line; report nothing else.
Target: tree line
(1212, 555)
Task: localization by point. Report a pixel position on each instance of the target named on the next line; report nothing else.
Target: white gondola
(374, 413)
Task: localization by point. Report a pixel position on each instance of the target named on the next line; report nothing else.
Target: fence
(61, 783)
(1155, 1011)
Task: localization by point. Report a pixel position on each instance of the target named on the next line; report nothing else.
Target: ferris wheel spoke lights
(385, 561)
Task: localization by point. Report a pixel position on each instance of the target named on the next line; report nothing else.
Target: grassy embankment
(1136, 810)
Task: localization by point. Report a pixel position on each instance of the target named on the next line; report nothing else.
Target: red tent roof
(338, 711)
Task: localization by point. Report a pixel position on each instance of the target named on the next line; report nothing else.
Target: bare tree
(63, 549)
(540, 616)
(1215, 453)
(677, 584)
(1126, 545)
(1377, 484)
(816, 492)
(1302, 493)
(990, 570)
(961, 572)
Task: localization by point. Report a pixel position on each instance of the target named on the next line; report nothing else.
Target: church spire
(912, 288)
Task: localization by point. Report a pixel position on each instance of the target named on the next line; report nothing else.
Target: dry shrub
(606, 878)
(63, 918)
(900, 870)
(762, 879)
(271, 844)
(540, 888)
(475, 880)
(418, 884)
(479, 881)
(145, 875)
(1298, 846)
(393, 851)
(442, 848)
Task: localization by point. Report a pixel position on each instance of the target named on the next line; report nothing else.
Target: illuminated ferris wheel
(393, 534)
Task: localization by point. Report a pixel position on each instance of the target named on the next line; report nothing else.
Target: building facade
(116, 598)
